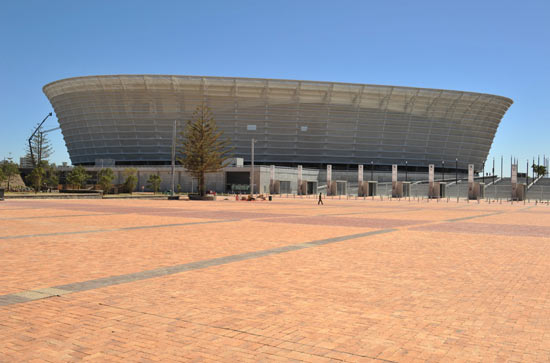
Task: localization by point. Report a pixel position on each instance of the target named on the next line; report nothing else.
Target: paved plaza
(287, 280)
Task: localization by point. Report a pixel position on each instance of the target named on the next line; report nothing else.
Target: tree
(131, 179)
(539, 169)
(9, 169)
(202, 149)
(77, 177)
(105, 179)
(41, 148)
(51, 180)
(35, 178)
(154, 182)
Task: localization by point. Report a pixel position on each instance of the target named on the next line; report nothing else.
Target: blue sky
(498, 47)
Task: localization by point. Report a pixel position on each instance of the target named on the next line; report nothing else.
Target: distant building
(25, 163)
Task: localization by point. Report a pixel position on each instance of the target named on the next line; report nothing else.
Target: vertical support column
(329, 179)
(514, 181)
(394, 192)
(431, 180)
(272, 179)
(299, 189)
(360, 191)
(471, 186)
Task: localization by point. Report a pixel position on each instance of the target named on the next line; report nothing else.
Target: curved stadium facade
(129, 118)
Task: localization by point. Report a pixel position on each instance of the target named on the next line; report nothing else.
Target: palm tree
(539, 169)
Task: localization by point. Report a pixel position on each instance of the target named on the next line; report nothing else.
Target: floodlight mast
(173, 166)
(34, 133)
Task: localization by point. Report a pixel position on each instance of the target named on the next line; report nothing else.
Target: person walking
(320, 199)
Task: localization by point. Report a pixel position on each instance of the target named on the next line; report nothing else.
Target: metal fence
(539, 191)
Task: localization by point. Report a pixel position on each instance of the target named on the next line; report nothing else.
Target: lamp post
(406, 169)
(533, 168)
(527, 175)
(493, 172)
(456, 171)
(443, 168)
(251, 128)
(371, 170)
(252, 168)
(456, 180)
(483, 172)
(173, 167)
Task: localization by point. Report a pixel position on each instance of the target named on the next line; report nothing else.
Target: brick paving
(353, 280)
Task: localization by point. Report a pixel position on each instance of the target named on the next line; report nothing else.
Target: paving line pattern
(59, 216)
(30, 295)
(115, 229)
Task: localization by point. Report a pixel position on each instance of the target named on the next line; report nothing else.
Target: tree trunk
(202, 185)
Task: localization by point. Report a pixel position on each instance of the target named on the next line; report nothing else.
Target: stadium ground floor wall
(229, 180)
(237, 179)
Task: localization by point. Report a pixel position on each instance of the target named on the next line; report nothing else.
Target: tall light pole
(372, 170)
(251, 128)
(527, 175)
(34, 133)
(252, 168)
(533, 168)
(493, 170)
(456, 180)
(456, 171)
(406, 169)
(443, 168)
(173, 158)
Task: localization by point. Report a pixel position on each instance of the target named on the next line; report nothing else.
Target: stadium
(122, 120)
(129, 118)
